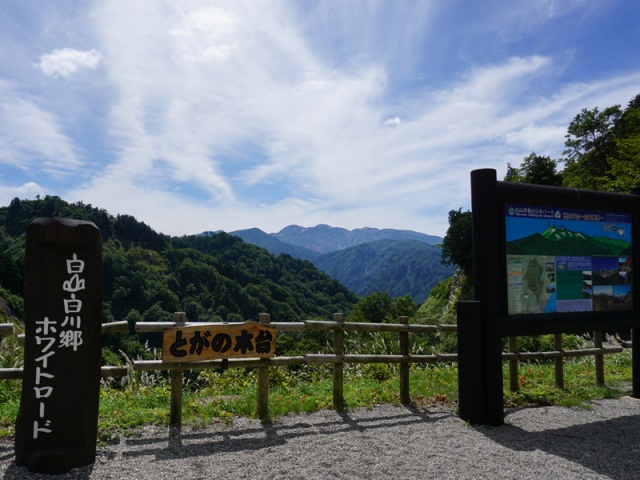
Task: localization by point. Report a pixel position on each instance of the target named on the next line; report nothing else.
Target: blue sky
(217, 115)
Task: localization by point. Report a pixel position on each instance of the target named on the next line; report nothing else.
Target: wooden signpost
(56, 428)
(210, 341)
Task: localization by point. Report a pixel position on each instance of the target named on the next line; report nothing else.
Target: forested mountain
(398, 267)
(324, 238)
(257, 237)
(148, 276)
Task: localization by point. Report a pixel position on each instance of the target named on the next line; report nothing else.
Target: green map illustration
(531, 282)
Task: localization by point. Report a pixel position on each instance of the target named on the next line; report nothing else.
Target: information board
(567, 260)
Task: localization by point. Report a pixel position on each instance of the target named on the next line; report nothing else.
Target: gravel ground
(384, 442)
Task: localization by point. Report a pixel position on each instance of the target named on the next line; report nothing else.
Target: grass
(143, 399)
(537, 387)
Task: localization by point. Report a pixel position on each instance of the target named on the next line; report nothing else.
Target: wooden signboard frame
(483, 323)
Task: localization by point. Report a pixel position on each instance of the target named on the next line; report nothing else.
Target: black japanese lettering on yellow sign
(211, 341)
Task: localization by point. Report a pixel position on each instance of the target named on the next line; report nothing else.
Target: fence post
(263, 379)
(513, 365)
(338, 373)
(558, 363)
(597, 343)
(404, 366)
(175, 412)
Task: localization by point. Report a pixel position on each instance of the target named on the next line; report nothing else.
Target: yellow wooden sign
(210, 341)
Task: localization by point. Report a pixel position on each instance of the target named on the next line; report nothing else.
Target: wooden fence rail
(338, 358)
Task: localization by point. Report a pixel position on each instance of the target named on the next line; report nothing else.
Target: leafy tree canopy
(457, 245)
(535, 169)
(380, 307)
(602, 149)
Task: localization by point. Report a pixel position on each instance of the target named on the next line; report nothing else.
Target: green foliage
(457, 245)
(537, 386)
(535, 169)
(544, 343)
(603, 148)
(602, 152)
(432, 308)
(399, 267)
(144, 398)
(380, 307)
(588, 143)
(148, 276)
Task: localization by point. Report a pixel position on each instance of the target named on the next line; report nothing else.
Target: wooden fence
(338, 358)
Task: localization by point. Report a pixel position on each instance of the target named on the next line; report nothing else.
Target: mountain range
(365, 260)
(324, 238)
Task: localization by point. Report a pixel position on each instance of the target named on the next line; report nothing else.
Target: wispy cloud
(31, 138)
(266, 113)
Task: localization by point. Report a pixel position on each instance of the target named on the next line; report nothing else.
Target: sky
(196, 115)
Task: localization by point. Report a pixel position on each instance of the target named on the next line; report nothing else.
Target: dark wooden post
(471, 385)
(177, 379)
(263, 379)
(404, 366)
(486, 279)
(635, 332)
(514, 384)
(338, 374)
(599, 357)
(635, 362)
(558, 363)
(56, 428)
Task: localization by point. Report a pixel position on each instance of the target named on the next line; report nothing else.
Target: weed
(143, 398)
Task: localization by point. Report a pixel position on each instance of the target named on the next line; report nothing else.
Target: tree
(602, 148)
(589, 146)
(375, 308)
(457, 245)
(624, 166)
(379, 307)
(513, 174)
(535, 169)
(624, 157)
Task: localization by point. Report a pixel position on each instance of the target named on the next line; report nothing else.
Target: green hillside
(148, 276)
(398, 267)
(256, 236)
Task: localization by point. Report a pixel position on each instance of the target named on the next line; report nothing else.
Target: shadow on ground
(609, 447)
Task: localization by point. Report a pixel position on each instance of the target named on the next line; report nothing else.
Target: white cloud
(259, 113)
(64, 62)
(312, 128)
(32, 138)
(28, 190)
(393, 122)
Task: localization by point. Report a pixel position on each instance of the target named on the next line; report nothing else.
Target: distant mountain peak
(324, 238)
(401, 262)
